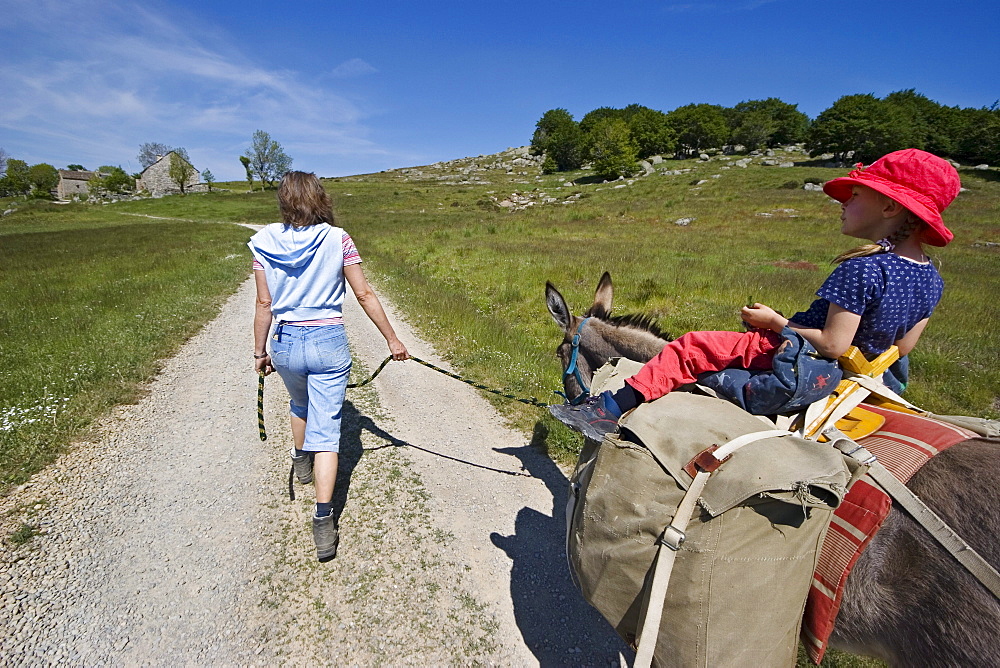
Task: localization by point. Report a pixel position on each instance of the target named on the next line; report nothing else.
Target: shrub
(611, 148)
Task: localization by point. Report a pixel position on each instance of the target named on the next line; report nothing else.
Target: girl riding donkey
(881, 294)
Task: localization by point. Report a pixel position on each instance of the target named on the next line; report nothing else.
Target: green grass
(22, 534)
(91, 301)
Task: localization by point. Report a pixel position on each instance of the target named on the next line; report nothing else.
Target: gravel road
(167, 537)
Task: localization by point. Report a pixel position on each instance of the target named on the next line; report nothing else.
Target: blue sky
(356, 87)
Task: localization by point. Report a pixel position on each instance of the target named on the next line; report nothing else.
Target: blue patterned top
(889, 292)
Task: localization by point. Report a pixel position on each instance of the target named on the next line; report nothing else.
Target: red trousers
(681, 361)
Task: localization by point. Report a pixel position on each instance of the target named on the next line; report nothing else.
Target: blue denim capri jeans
(315, 363)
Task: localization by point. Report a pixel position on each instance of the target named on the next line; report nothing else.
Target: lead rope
(260, 406)
(532, 401)
(291, 473)
(263, 432)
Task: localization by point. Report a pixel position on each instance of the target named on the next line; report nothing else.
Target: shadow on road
(558, 626)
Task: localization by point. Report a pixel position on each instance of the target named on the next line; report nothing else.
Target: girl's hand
(763, 317)
(398, 350)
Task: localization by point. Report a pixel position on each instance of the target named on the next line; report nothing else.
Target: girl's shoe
(590, 418)
(326, 536)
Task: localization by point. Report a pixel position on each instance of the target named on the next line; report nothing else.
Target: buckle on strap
(673, 537)
(850, 447)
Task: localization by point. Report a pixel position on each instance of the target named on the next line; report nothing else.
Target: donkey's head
(590, 340)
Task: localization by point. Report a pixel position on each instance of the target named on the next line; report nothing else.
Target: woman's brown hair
(303, 201)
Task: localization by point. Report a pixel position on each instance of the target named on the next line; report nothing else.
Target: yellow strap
(853, 361)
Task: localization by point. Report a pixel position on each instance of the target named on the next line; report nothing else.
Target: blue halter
(572, 369)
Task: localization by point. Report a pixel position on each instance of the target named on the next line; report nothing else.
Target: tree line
(265, 159)
(862, 126)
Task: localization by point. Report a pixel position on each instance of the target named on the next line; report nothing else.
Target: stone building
(156, 180)
(73, 183)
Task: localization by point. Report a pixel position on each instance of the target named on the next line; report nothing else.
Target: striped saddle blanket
(903, 444)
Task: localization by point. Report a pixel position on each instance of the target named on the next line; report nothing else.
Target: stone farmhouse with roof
(73, 183)
(156, 180)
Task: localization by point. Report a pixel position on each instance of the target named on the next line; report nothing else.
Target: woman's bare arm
(373, 308)
(261, 322)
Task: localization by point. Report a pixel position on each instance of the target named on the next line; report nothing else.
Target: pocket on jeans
(333, 353)
(279, 354)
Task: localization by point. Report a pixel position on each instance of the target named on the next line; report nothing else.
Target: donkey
(907, 601)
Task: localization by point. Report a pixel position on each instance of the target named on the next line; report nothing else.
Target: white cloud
(108, 80)
(355, 67)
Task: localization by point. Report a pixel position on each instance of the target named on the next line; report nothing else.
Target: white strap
(878, 388)
(673, 537)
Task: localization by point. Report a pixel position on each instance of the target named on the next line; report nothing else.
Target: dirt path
(168, 537)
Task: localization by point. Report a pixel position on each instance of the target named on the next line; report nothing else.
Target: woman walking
(300, 266)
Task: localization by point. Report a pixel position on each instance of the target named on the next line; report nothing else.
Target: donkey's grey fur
(603, 337)
(907, 601)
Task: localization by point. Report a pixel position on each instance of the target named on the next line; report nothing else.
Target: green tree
(246, 165)
(116, 180)
(208, 177)
(592, 118)
(698, 126)
(935, 123)
(16, 180)
(180, 170)
(865, 125)
(3, 161)
(76, 168)
(977, 139)
(754, 129)
(268, 160)
(770, 122)
(44, 178)
(650, 130)
(612, 149)
(558, 137)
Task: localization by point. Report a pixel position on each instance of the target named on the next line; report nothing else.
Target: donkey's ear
(557, 306)
(603, 297)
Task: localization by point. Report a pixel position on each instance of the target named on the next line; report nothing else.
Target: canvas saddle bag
(739, 578)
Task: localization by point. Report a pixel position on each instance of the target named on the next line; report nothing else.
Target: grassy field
(92, 300)
(94, 297)
(470, 274)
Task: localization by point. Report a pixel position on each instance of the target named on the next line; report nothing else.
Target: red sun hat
(922, 182)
